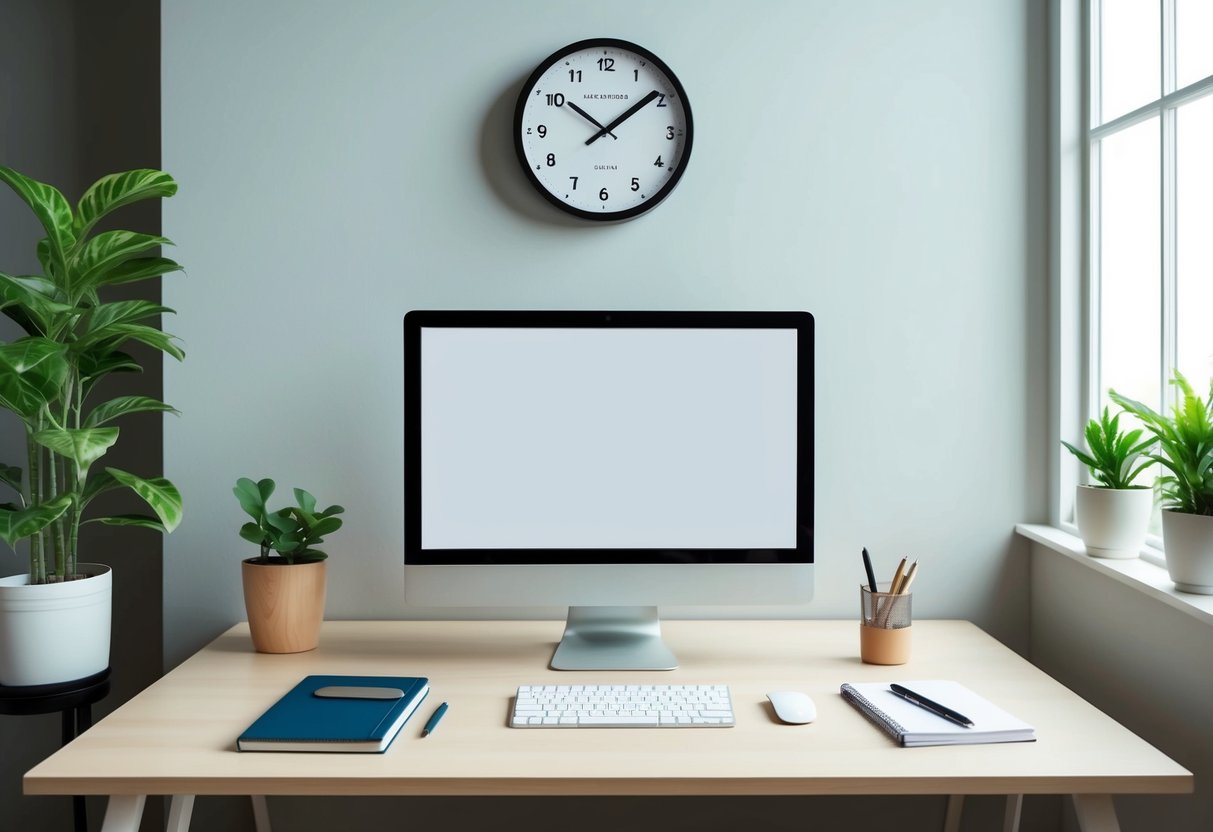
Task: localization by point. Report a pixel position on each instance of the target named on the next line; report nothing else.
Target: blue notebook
(340, 720)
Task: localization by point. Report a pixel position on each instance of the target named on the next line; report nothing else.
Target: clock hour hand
(631, 111)
(587, 116)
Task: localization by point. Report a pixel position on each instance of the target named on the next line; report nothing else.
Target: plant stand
(74, 699)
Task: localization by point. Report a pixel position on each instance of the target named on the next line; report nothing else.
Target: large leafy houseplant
(73, 339)
(1185, 447)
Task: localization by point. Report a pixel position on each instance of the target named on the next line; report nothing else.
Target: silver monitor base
(613, 638)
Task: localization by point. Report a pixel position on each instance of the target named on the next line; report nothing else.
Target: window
(1150, 174)
(1132, 209)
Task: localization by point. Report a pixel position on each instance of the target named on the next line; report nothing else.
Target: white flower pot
(1113, 521)
(1188, 541)
(57, 632)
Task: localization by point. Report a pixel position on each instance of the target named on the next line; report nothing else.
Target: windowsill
(1143, 576)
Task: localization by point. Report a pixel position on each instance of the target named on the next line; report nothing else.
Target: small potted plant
(1185, 449)
(1112, 513)
(284, 586)
(55, 620)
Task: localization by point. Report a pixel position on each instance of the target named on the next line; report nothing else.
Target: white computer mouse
(792, 706)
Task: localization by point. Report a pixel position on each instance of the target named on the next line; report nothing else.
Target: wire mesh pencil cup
(885, 625)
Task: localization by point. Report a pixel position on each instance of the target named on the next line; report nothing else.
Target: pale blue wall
(880, 164)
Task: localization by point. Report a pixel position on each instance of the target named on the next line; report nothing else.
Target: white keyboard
(622, 706)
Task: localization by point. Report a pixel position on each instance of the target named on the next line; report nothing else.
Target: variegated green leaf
(111, 192)
(160, 494)
(138, 268)
(32, 371)
(107, 250)
(114, 408)
(119, 312)
(48, 205)
(84, 446)
(138, 520)
(18, 524)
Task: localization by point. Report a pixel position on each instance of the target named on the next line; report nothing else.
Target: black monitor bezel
(416, 320)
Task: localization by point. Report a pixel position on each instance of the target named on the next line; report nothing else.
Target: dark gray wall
(79, 98)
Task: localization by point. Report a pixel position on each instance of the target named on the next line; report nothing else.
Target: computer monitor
(610, 462)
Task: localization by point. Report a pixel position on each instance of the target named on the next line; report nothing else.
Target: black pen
(433, 723)
(932, 706)
(867, 565)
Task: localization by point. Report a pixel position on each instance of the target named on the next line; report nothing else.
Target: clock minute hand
(631, 111)
(587, 117)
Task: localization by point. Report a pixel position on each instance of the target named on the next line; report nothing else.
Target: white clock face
(603, 129)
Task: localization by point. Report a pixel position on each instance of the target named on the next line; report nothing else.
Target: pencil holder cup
(884, 626)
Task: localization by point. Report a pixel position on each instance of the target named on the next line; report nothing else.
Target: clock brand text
(606, 167)
(623, 97)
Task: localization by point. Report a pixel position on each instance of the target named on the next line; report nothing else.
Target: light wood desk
(178, 736)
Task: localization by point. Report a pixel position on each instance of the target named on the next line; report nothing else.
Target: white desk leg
(1096, 813)
(956, 805)
(180, 809)
(1010, 819)
(123, 813)
(261, 813)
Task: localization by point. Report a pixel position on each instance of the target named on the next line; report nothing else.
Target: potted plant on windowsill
(284, 592)
(55, 620)
(1112, 513)
(1185, 449)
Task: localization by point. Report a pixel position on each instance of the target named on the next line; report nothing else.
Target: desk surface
(179, 735)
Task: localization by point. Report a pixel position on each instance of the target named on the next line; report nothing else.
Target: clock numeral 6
(603, 194)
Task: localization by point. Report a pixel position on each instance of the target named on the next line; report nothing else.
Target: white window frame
(1074, 221)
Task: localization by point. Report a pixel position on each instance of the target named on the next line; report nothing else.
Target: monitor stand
(613, 638)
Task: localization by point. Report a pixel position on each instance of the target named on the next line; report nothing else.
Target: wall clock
(603, 129)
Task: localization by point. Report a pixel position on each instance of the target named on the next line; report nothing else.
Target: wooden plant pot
(285, 604)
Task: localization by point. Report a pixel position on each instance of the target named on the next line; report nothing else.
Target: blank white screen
(608, 438)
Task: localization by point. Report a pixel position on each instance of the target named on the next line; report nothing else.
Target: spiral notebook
(912, 726)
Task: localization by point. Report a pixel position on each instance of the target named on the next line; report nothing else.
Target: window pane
(1129, 55)
(1193, 36)
(1194, 255)
(1129, 280)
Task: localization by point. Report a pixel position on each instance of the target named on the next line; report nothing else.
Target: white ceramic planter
(1113, 521)
(56, 632)
(1188, 541)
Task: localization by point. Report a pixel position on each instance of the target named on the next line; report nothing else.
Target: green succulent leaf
(252, 533)
(16, 524)
(161, 495)
(282, 521)
(306, 501)
(118, 189)
(121, 406)
(251, 497)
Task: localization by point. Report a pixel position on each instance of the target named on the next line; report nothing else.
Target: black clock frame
(524, 96)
